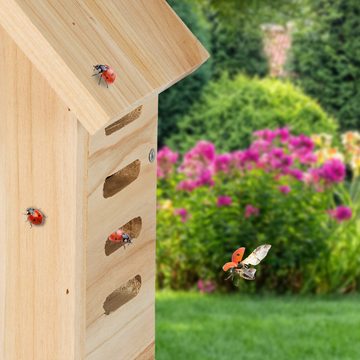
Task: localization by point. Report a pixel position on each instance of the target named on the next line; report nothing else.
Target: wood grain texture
(44, 163)
(125, 333)
(143, 40)
(148, 353)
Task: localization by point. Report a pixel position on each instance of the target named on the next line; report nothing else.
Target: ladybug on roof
(105, 72)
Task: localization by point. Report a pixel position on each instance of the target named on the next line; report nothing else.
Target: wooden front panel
(43, 164)
(128, 331)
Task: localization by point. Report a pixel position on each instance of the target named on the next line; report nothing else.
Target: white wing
(248, 274)
(257, 255)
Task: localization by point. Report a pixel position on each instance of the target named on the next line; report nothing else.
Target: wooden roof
(143, 40)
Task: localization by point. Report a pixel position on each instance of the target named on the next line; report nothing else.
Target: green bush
(177, 100)
(288, 204)
(230, 110)
(325, 58)
(237, 48)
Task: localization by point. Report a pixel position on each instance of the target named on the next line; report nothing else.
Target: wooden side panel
(129, 331)
(44, 155)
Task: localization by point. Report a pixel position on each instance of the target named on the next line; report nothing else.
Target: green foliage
(230, 110)
(292, 205)
(237, 46)
(325, 58)
(341, 270)
(176, 101)
(258, 12)
(197, 327)
(296, 225)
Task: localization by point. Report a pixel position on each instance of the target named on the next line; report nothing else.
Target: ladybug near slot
(35, 216)
(120, 237)
(105, 72)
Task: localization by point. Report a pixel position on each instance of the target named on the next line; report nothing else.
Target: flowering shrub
(230, 110)
(275, 191)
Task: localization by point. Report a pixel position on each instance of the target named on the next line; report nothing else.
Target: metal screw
(152, 155)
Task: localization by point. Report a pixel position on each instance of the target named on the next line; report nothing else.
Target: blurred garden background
(261, 145)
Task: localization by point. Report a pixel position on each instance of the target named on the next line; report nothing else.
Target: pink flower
(250, 155)
(308, 158)
(237, 159)
(333, 171)
(187, 185)
(301, 144)
(251, 210)
(261, 146)
(223, 162)
(279, 160)
(312, 176)
(205, 178)
(223, 201)
(183, 213)
(265, 134)
(295, 173)
(206, 286)
(203, 151)
(198, 166)
(270, 135)
(283, 134)
(166, 159)
(341, 213)
(285, 189)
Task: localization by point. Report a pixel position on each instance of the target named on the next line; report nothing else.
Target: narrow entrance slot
(125, 120)
(132, 228)
(122, 295)
(121, 179)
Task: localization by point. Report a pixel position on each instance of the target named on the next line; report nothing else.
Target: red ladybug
(119, 236)
(106, 72)
(35, 216)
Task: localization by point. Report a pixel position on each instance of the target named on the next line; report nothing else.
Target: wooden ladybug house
(85, 156)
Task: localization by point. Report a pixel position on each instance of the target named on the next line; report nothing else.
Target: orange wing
(229, 265)
(238, 255)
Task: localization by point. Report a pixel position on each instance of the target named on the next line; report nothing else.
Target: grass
(191, 326)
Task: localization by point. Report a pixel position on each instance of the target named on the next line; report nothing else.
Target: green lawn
(192, 326)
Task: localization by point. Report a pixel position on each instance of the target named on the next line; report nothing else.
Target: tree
(176, 101)
(326, 58)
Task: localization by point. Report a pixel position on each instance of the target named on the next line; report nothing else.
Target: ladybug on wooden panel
(119, 236)
(105, 72)
(35, 216)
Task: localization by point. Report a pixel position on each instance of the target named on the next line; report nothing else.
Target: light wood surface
(143, 40)
(43, 164)
(148, 353)
(127, 332)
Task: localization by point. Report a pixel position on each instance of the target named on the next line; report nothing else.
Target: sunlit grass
(192, 326)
